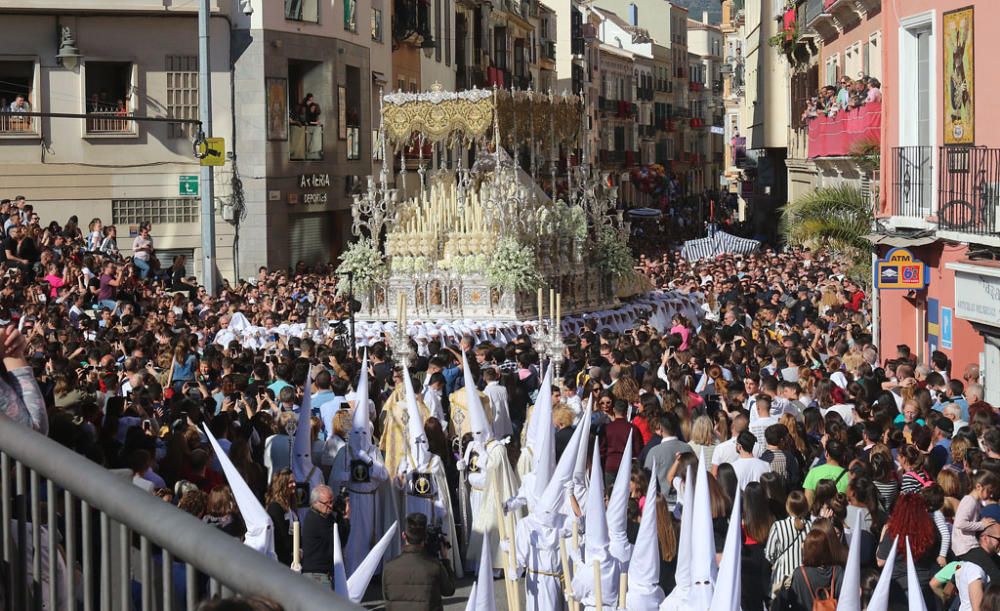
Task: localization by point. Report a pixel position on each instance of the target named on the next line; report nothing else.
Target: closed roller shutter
(308, 236)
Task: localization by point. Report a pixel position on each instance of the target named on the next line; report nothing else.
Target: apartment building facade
(284, 193)
(941, 182)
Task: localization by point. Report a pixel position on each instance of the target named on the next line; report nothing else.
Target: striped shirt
(887, 493)
(784, 548)
(944, 529)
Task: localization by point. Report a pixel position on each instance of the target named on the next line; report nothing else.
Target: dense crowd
(847, 95)
(776, 387)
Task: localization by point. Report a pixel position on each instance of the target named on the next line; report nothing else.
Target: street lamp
(68, 55)
(428, 45)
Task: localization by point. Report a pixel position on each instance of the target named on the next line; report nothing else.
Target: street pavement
(456, 602)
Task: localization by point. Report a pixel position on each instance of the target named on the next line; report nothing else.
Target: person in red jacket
(613, 440)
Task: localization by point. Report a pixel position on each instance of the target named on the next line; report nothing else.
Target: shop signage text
(314, 181)
(899, 270)
(977, 298)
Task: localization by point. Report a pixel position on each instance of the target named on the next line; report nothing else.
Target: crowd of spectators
(848, 94)
(777, 384)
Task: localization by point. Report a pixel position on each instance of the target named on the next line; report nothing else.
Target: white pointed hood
(485, 598)
(339, 572)
(360, 437)
(726, 596)
(415, 425)
(914, 595)
(543, 440)
(683, 575)
(703, 567)
(850, 591)
(303, 467)
(358, 582)
(595, 518)
(880, 597)
(260, 529)
(580, 471)
(618, 504)
(479, 424)
(554, 497)
(470, 605)
(644, 567)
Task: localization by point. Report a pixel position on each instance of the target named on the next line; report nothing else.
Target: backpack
(823, 598)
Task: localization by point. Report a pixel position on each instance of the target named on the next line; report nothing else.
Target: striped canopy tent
(718, 243)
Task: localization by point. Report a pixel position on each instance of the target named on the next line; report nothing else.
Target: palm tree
(837, 218)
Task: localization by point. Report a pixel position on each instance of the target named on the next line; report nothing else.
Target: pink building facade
(940, 181)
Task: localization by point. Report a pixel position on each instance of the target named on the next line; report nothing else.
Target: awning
(644, 213)
(900, 241)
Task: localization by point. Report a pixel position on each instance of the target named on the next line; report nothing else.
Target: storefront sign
(947, 328)
(899, 270)
(314, 181)
(314, 198)
(977, 297)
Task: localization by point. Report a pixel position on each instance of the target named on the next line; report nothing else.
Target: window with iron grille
(156, 211)
(182, 94)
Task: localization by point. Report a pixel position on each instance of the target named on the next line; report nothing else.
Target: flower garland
(611, 252)
(365, 262)
(512, 267)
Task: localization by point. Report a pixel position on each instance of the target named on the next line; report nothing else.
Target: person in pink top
(968, 525)
(55, 280)
(680, 327)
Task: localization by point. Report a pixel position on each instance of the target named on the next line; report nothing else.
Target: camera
(436, 539)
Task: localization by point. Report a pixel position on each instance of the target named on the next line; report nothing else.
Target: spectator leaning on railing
(848, 95)
(20, 398)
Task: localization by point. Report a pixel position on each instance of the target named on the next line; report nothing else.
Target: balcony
(111, 124)
(549, 49)
(696, 86)
(305, 142)
(16, 125)
(969, 190)
(912, 182)
(838, 136)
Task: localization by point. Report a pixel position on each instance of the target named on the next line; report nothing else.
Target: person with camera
(419, 578)
(317, 533)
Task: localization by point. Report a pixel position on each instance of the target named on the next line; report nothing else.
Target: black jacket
(416, 581)
(317, 543)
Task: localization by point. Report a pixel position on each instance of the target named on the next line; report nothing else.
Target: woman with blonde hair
(703, 438)
(221, 512)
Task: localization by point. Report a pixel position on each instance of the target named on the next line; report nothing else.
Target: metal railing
(110, 124)
(912, 184)
(118, 547)
(13, 124)
(305, 142)
(969, 190)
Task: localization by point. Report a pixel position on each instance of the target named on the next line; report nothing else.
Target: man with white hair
(953, 412)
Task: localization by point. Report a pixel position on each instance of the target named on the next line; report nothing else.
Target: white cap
(339, 572)
(543, 441)
(914, 594)
(850, 590)
(551, 500)
(414, 424)
(485, 598)
(595, 519)
(358, 582)
(617, 513)
(703, 567)
(880, 596)
(479, 425)
(726, 596)
(302, 464)
(260, 529)
(360, 436)
(580, 470)
(683, 575)
(644, 566)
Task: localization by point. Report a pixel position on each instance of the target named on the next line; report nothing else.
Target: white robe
(437, 507)
(537, 547)
(373, 509)
(494, 483)
(583, 582)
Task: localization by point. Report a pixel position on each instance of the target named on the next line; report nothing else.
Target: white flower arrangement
(611, 252)
(512, 267)
(364, 260)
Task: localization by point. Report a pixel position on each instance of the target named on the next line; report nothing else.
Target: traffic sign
(215, 152)
(188, 186)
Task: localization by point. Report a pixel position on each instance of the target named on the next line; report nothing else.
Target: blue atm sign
(899, 270)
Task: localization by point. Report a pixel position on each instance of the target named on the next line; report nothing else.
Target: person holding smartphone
(20, 396)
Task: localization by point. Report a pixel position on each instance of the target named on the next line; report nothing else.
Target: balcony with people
(109, 103)
(840, 119)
